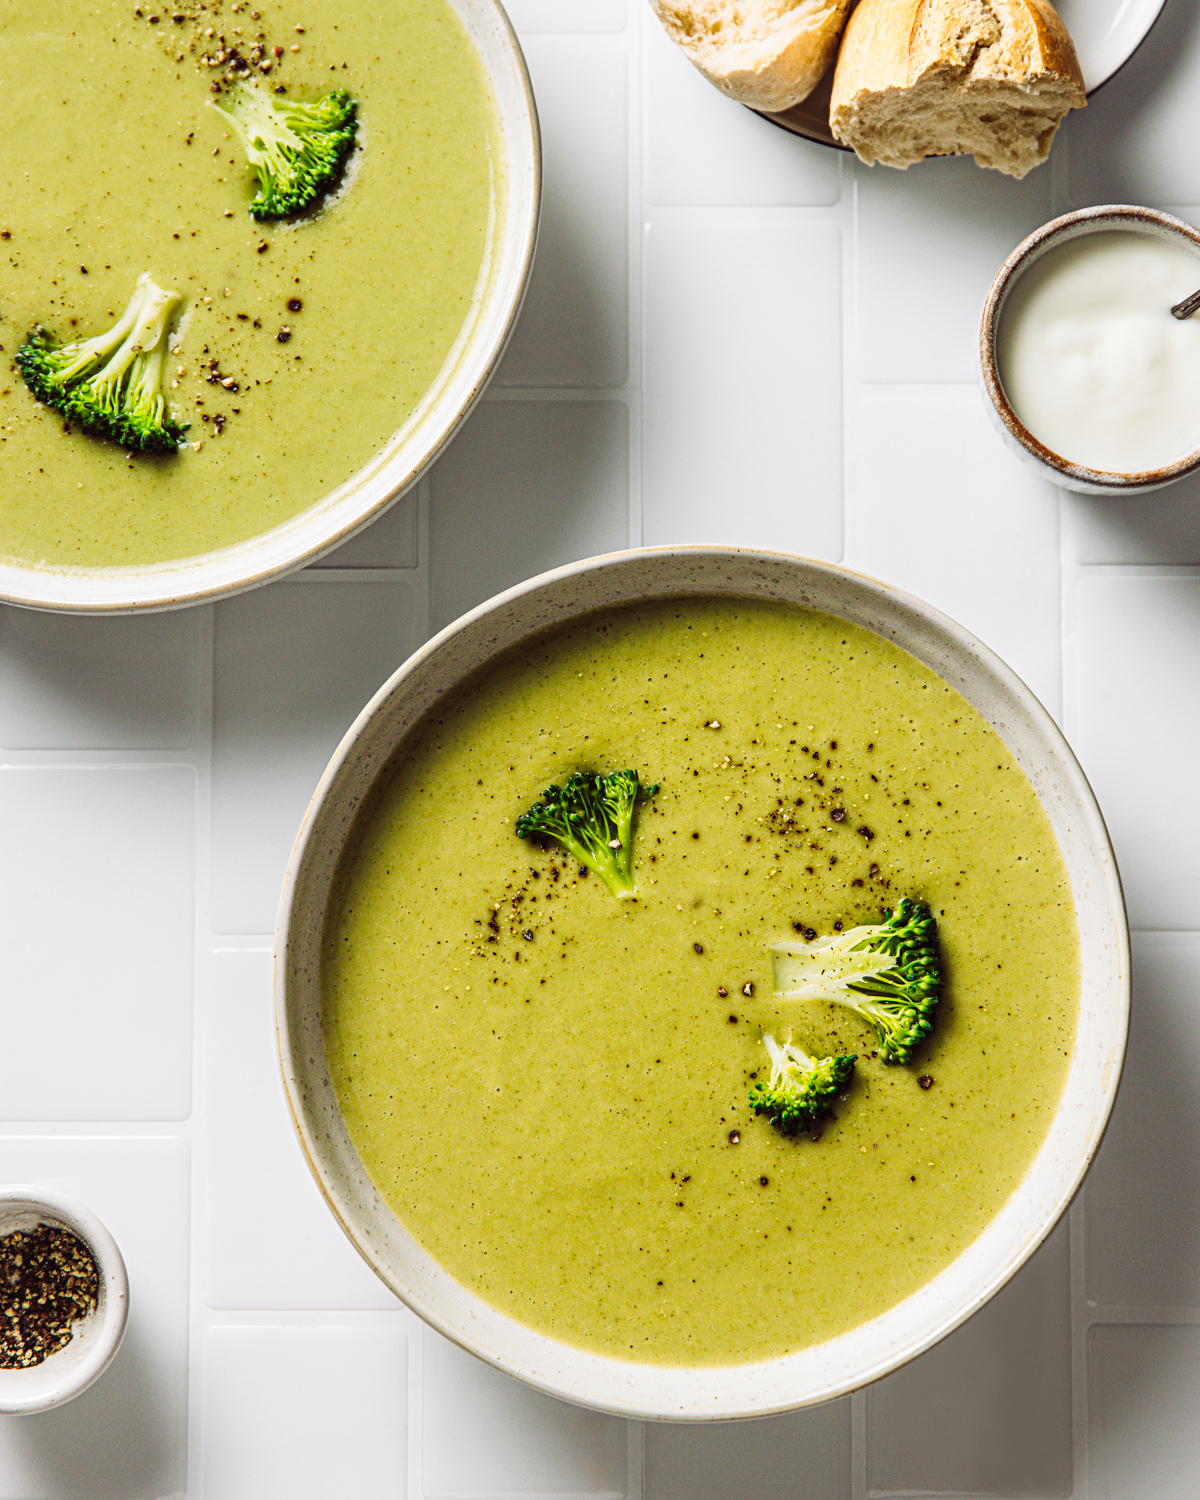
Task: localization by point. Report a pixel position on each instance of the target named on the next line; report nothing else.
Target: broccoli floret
(802, 1088)
(111, 385)
(297, 150)
(890, 974)
(591, 816)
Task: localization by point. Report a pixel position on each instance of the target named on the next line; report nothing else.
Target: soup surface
(549, 1086)
(323, 334)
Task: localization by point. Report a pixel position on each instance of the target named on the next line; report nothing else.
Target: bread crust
(768, 54)
(959, 66)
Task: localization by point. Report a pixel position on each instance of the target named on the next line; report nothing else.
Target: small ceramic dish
(94, 1342)
(861, 1354)
(1017, 437)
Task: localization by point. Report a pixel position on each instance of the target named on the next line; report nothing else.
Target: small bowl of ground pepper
(64, 1297)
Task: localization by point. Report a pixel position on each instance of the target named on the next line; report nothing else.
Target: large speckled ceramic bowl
(365, 495)
(876, 1347)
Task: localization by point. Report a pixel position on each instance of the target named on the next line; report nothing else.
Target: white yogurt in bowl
(1088, 374)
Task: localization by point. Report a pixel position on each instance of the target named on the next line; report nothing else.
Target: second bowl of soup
(530, 1100)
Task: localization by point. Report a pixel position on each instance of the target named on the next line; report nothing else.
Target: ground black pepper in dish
(48, 1282)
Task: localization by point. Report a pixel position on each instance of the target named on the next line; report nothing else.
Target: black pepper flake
(50, 1282)
(5, 234)
(723, 992)
(698, 947)
(262, 247)
(925, 1081)
(528, 934)
(733, 1020)
(865, 832)
(284, 335)
(838, 814)
(762, 1181)
(294, 304)
(735, 1137)
(748, 988)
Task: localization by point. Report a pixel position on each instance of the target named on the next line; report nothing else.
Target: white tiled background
(732, 335)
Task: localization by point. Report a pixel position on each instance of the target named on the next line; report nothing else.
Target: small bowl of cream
(1088, 375)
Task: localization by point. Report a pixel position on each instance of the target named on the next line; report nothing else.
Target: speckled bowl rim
(863, 1354)
(1107, 216)
(335, 518)
(71, 1370)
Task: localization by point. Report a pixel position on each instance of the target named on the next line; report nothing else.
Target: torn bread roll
(990, 79)
(768, 54)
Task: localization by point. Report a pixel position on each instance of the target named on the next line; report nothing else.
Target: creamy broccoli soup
(549, 1085)
(304, 344)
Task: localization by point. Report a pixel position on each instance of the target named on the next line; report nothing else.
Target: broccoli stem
(111, 385)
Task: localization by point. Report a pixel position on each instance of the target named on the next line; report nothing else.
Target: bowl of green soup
(753, 1097)
(308, 351)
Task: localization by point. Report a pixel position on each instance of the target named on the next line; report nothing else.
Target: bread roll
(768, 54)
(987, 78)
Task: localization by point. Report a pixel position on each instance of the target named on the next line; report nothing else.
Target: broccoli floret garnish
(591, 816)
(802, 1088)
(890, 974)
(297, 150)
(111, 385)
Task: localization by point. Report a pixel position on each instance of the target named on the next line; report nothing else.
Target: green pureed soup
(330, 329)
(549, 1086)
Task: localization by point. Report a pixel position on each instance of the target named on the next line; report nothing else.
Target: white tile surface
(1143, 1226)
(1145, 1433)
(790, 315)
(743, 437)
(929, 453)
(930, 240)
(533, 16)
(389, 542)
(804, 1456)
(1133, 716)
(126, 1437)
(288, 1250)
(1119, 149)
(98, 1013)
(312, 1413)
(486, 1436)
(704, 149)
(574, 325)
(988, 1410)
(1161, 527)
(527, 486)
(70, 683)
(293, 663)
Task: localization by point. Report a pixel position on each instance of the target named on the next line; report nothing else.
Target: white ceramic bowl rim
(72, 1369)
(1105, 216)
(338, 516)
(865, 1353)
